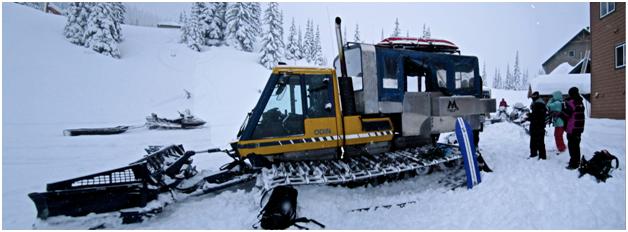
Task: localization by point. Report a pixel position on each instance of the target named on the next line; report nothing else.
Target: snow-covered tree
(319, 59)
(356, 35)
(382, 35)
(182, 17)
(76, 23)
(185, 31)
(496, 80)
(516, 75)
(216, 23)
(118, 12)
(292, 47)
(396, 30)
(242, 26)
(509, 84)
(256, 12)
(272, 42)
(99, 34)
(308, 42)
(301, 53)
(195, 27)
(426, 32)
(524, 80)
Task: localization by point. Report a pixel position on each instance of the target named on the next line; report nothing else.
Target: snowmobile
(352, 125)
(501, 115)
(185, 121)
(519, 115)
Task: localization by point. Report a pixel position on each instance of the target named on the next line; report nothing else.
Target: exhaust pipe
(347, 101)
(341, 52)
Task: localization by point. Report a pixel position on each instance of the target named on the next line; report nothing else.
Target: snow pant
(558, 137)
(537, 145)
(573, 143)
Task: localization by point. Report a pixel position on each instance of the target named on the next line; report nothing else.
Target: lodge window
(620, 56)
(606, 8)
(572, 53)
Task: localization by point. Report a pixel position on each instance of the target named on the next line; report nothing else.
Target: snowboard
(464, 133)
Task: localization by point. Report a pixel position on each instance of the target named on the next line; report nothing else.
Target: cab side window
(319, 96)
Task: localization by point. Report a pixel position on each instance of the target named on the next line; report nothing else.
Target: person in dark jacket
(537, 127)
(574, 114)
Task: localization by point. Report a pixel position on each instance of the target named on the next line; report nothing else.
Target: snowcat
(375, 116)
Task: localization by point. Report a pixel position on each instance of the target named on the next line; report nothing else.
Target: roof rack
(420, 44)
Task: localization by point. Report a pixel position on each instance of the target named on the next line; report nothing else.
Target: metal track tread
(358, 168)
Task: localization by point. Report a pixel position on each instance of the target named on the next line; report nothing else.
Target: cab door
(320, 115)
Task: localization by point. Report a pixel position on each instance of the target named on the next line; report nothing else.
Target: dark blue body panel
(391, 64)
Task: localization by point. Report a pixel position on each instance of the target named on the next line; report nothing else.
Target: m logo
(452, 106)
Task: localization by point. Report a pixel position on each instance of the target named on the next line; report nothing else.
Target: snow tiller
(375, 117)
(164, 170)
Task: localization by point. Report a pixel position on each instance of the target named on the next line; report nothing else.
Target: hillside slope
(50, 85)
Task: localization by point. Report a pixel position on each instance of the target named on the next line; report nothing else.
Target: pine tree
(496, 80)
(356, 36)
(256, 12)
(76, 24)
(195, 27)
(426, 32)
(292, 46)
(300, 54)
(184, 28)
(272, 43)
(99, 34)
(182, 17)
(242, 25)
(308, 42)
(516, 76)
(524, 80)
(396, 31)
(319, 59)
(216, 24)
(509, 80)
(118, 12)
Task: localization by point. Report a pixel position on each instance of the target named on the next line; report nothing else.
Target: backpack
(599, 166)
(280, 212)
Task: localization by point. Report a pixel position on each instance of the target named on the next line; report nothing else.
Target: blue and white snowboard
(464, 134)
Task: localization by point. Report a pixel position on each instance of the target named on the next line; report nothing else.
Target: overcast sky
(491, 31)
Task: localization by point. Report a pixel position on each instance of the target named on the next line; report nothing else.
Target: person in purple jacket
(574, 115)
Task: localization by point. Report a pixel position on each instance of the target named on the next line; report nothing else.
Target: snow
(547, 84)
(563, 68)
(51, 85)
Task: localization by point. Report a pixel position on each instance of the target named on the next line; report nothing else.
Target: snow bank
(547, 84)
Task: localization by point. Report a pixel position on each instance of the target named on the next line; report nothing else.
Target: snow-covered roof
(547, 84)
(563, 68)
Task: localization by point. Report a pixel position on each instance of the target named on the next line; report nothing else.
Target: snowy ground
(78, 88)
